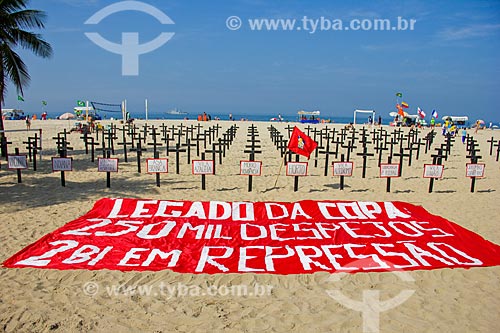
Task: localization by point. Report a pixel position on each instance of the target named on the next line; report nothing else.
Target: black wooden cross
(215, 129)
(436, 159)
(155, 143)
(401, 155)
(350, 147)
(498, 149)
(4, 143)
(124, 142)
(429, 139)
(62, 143)
(214, 151)
(365, 154)
(33, 148)
(327, 153)
(289, 128)
(418, 143)
(92, 144)
(491, 142)
(177, 151)
(251, 149)
(138, 149)
(473, 159)
(379, 149)
(188, 146)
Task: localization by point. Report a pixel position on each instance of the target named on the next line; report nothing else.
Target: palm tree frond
(32, 42)
(14, 68)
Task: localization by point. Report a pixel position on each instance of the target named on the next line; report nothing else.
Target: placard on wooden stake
(203, 168)
(297, 169)
(62, 164)
(388, 171)
(17, 162)
(475, 170)
(433, 170)
(250, 168)
(107, 165)
(343, 169)
(157, 166)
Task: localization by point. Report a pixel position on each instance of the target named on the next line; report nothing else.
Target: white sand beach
(44, 300)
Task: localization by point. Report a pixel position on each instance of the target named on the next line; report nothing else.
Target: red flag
(301, 144)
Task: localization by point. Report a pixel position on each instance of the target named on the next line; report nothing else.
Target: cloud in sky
(467, 32)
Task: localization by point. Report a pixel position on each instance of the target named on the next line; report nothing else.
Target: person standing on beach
(28, 122)
(230, 117)
(464, 134)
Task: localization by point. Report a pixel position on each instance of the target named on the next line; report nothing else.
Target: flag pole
(281, 166)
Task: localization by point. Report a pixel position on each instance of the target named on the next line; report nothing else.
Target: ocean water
(259, 117)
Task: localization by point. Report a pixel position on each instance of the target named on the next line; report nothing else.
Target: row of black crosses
(331, 139)
(395, 143)
(174, 139)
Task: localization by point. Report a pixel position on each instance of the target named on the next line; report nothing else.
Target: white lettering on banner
(264, 237)
(475, 170)
(433, 170)
(17, 162)
(296, 169)
(308, 256)
(209, 259)
(62, 164)
(250, 168)
(107, 165)
(85, 253)
(203, 167)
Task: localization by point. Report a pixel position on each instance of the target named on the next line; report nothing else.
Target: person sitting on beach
(349, 126)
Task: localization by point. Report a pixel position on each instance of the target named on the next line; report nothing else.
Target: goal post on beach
(111, 108)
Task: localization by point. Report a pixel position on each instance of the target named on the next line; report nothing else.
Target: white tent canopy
(456, 119)
(372, 112)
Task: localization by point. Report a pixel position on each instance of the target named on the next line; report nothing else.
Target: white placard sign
(250, 168)
(62, 164)
(107, 164)
(475, 170)
(17, 162)
(157, 165)
(203, 167)
(296, 169)
(343, 168)
(389, 170)
(433, 170)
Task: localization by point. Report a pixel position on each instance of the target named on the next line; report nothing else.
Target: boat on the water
(176, 112)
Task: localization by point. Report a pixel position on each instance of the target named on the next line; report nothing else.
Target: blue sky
(449, 62)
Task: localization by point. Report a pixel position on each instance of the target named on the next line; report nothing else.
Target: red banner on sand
(259, 237)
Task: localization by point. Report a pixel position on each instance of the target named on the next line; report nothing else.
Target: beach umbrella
(66, 116)
(393, 114)
(481, 122)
